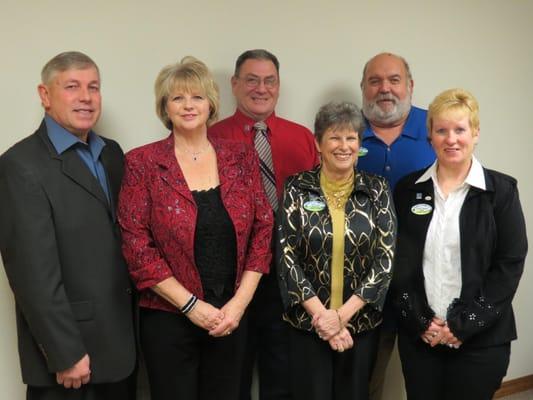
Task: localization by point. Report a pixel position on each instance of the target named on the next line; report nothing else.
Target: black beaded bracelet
(190, 304)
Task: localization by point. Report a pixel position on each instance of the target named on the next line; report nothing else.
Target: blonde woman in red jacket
(196, 228)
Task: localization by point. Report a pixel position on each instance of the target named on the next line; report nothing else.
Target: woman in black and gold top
(336, 237)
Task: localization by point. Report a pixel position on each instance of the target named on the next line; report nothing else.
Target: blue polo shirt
(89, 152)
(410, 152)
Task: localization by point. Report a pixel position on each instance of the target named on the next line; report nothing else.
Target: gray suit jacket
(60, 246)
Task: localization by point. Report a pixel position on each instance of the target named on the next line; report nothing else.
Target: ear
(475, 135)
(317, 145)
(411, 86)
(164, 105)
(44, 94)
(233, 83)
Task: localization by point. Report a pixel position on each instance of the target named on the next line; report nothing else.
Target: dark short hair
(65, 61)
(339, 115)
(255, 54)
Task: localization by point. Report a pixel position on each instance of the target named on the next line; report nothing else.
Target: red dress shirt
(157, 215)
(293, 146)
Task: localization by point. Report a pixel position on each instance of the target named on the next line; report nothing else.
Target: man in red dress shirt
(255, 85)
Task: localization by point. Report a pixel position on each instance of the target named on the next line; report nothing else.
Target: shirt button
(387, 168)
(388, 149)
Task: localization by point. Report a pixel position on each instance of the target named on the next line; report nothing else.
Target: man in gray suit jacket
(60, 245)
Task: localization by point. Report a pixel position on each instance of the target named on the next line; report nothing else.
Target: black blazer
(493, 250)
(60, 246)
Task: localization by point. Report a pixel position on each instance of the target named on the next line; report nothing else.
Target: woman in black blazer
(460, 254)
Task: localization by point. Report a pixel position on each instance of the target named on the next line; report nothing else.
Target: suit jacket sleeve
(466, 319)
(31, 260)
(294, 286)
(146, 264)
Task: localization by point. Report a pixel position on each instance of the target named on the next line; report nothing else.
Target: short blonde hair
(189, 75)
(454, 100)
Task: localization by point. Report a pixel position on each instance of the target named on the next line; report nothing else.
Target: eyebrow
(257, 76)
(386, 77)
(78, 81)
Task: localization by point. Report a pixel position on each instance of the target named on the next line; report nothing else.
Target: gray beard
(375, 114)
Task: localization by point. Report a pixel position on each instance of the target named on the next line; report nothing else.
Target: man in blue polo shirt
(394, 144)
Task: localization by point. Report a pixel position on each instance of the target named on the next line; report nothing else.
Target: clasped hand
(327, 324)
(341, 341)
(329, 327)
(219, 322)
(439, 332)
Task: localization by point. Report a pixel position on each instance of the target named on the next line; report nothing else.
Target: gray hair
(339, 115)
(403, 60)
(256, 54)
(64, 62)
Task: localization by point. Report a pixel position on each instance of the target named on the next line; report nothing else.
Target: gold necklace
(336, 200)
(336, 193)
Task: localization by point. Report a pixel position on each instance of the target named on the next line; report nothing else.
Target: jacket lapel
(421, 207)
(170, 171)
(227, 167)
(73, 167)
(113, 166)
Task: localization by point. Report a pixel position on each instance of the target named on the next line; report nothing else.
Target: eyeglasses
(252, 82)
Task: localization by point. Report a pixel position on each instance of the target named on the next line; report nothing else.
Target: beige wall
(483, 46)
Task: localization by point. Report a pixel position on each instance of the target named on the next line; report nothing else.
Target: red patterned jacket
(157, 215)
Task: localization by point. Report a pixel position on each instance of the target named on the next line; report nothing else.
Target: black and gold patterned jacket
(304, 247)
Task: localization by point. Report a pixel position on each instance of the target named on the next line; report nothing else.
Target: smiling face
(339, 148)
(188, 112)
(453, 139)
(256, 89)
(387, 90)
(72, 98)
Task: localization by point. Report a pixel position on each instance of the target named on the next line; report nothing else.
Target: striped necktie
(262, 145)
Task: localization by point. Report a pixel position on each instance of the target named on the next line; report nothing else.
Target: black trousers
(441, 373)
(123, 390)
(185, 363)
(267, 343)
(317, 372)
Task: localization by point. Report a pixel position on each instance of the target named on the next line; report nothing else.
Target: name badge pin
(314, 205)
(421, 209)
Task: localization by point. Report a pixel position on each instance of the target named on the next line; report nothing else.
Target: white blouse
(442, 251)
